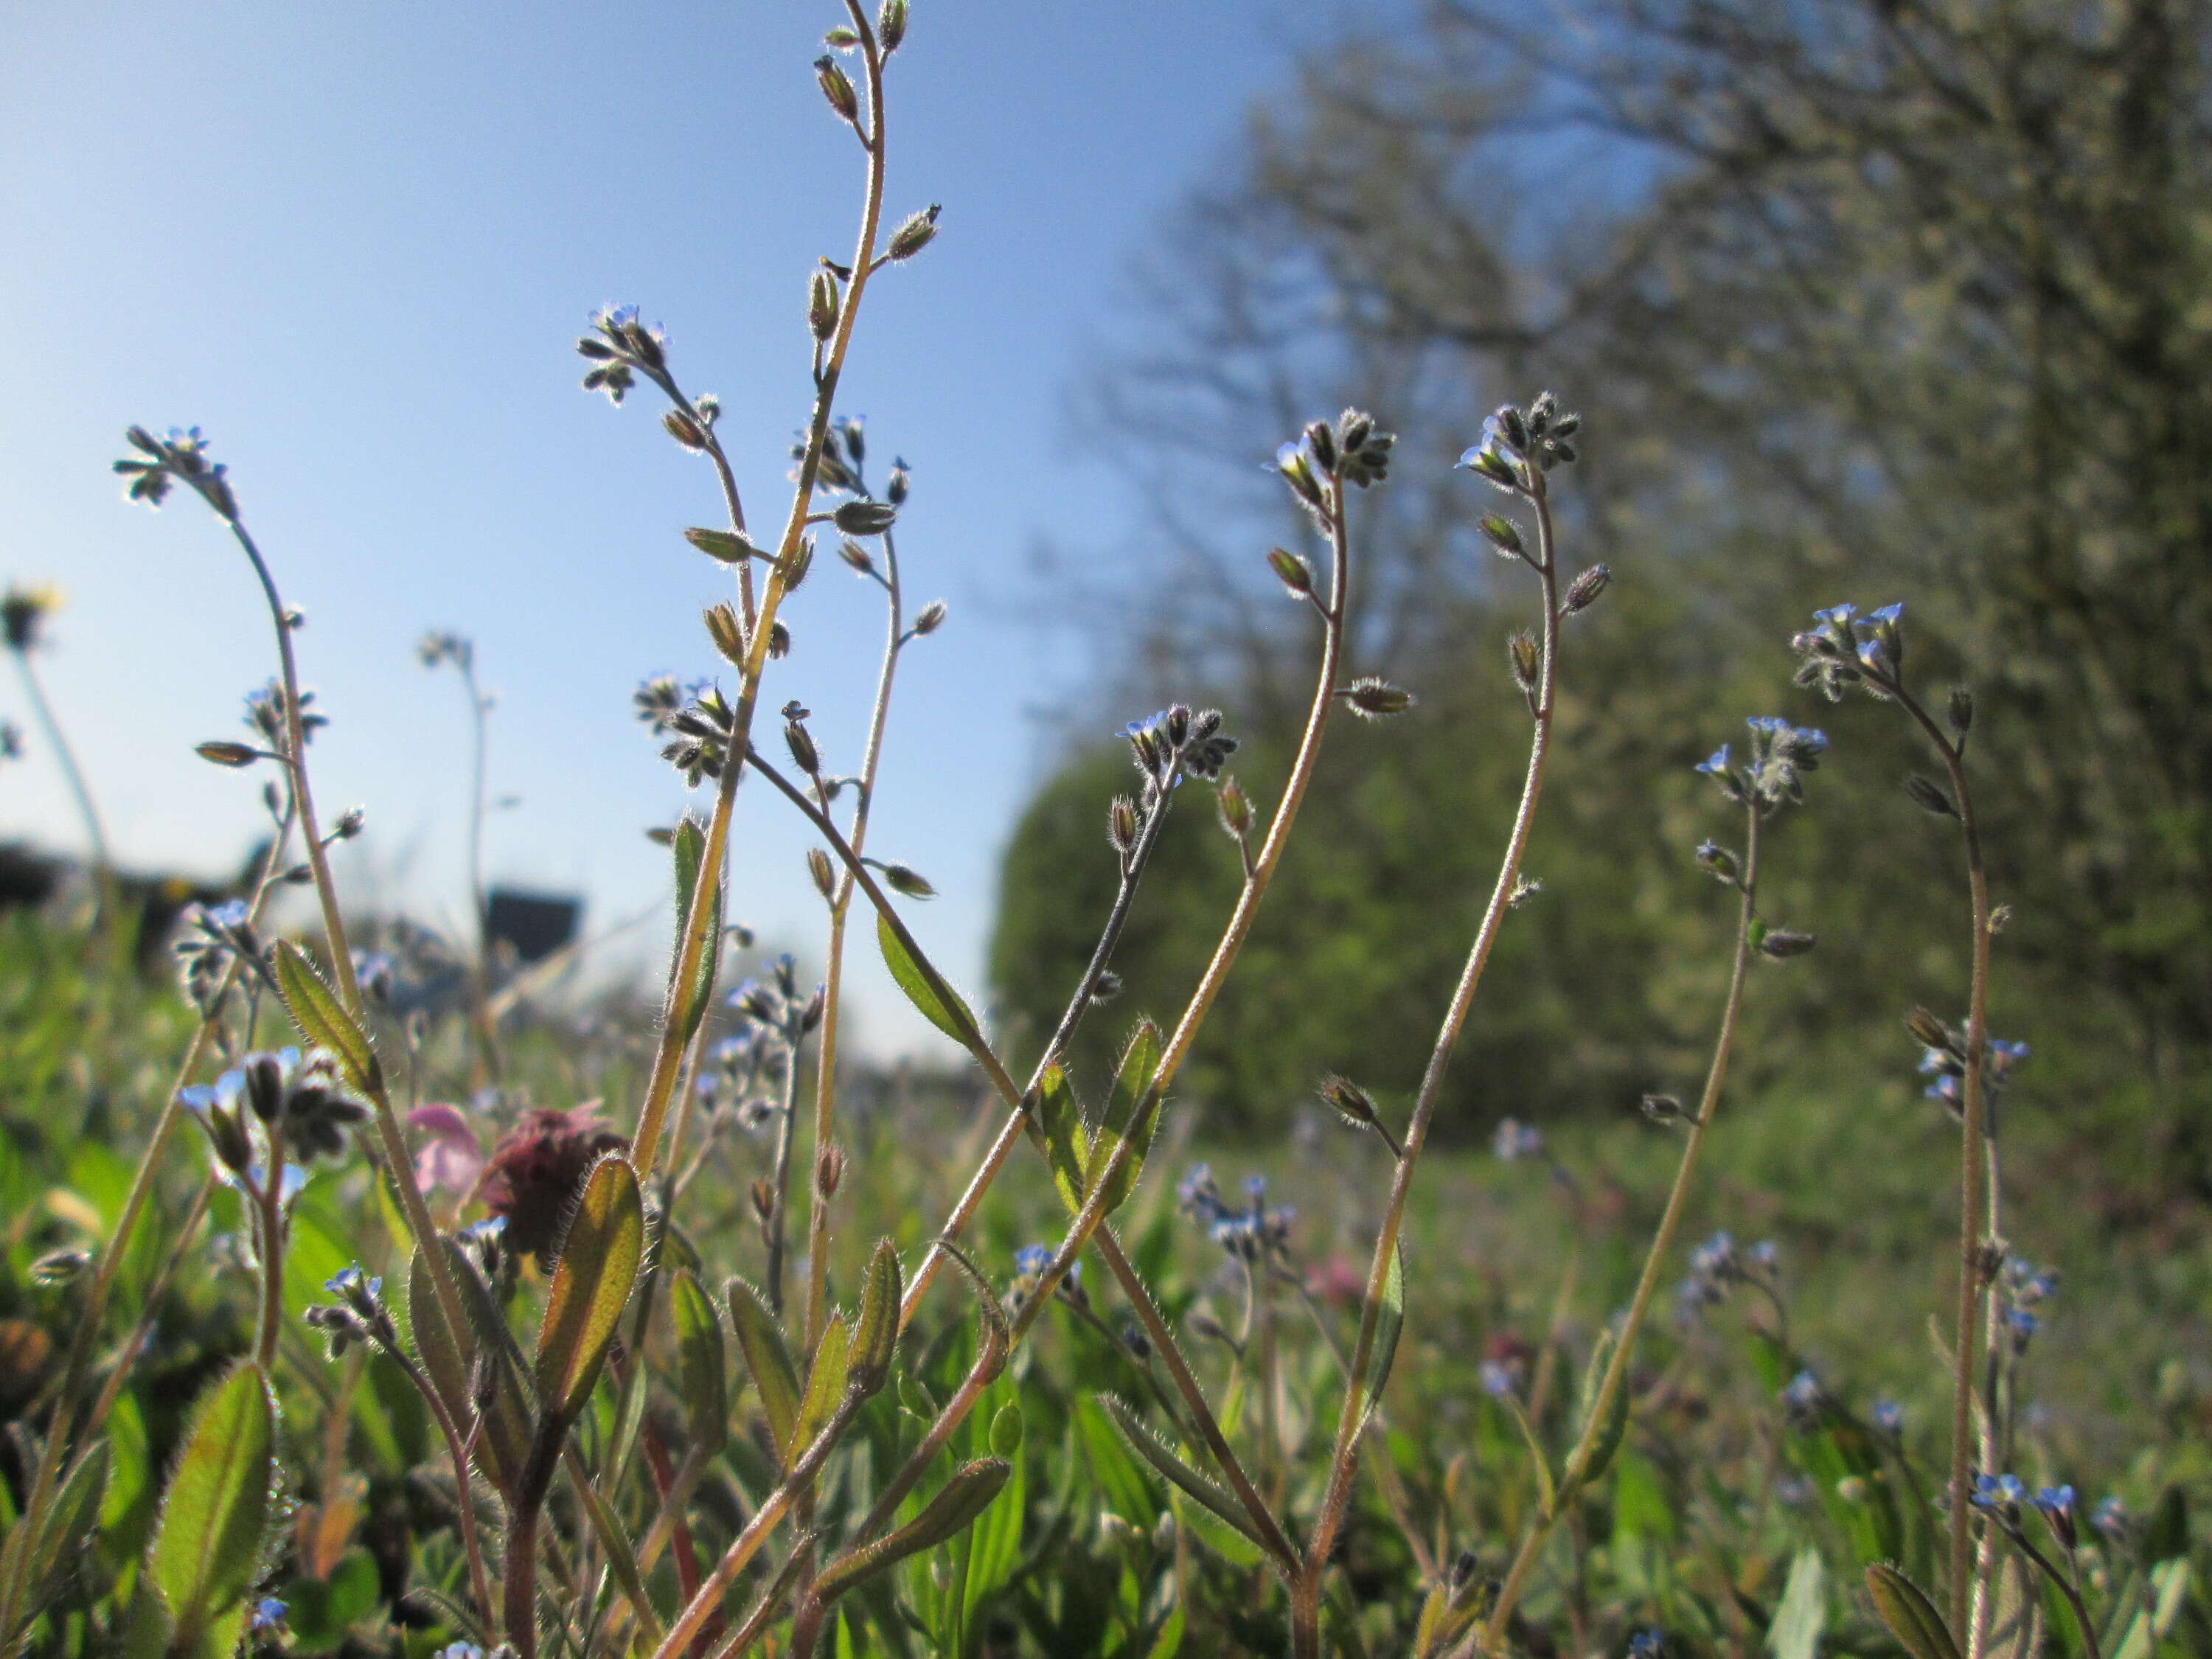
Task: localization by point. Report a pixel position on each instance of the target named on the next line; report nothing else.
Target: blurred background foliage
(1861, 302)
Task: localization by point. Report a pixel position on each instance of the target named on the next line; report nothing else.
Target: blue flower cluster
(1252, 1233)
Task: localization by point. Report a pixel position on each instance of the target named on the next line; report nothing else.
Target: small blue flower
(1994, 1491)
(230, 915)
(1030, 1260)
(1764, 1254)
(2109, 1517)
(1803, 1395)
(1497, 1379)
(268, 1616)
(1887, 1416)
(2023, 1323)
(1255, 1191)
(1514, 1140)
(1888, 614)
(1646, 1645)
(2055, 1500)
(1715, 764)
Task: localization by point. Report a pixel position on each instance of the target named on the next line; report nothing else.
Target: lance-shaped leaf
(1132, 1112)
(775, 1378)
(953, 1017)
(825, 1386)
(699, 1365)
(1389, 1320)
(1194, 1485)
(964, 1497)
(1614, 1429)
(1058, 1124)
(1911, 1616)
(70, 1514)
(621, 1559)
(598, 1267)
(323, 1020)
(875, 1334)
(690, 849)
(208, 1546)
(457, 1365)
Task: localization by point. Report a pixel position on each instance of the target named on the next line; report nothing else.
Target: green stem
(1616, 1372)
(1345, 1457)
(103, 864)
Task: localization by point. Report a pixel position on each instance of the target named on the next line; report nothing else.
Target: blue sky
(356, 245)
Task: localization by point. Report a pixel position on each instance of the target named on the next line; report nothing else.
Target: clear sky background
(357, 245)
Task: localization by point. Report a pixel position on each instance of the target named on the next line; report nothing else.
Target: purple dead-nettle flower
(1513, 1141)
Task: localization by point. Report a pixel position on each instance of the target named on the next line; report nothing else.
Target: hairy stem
(1616, 1370)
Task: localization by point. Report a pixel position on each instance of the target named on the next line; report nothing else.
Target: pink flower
(451, 1157)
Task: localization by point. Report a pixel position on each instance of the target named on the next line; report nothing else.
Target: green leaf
(1911, 1616)
(1179, 1474)
(506, 1438)
(1614, 1429)
(1796, 1632)
(699, 1363)
(70, 1517)
(997, 1329)
(775, 1378)
(217, 1507)
(1059, 1126)
(875, 1335)
(322, 1020)
(953, 1019)
(690, 849)
(1389, 1321)
(1122, 1486)
(1132, 1112)
(321, 1614)
(621, 1559)
(1547, 1494)
(964, 1497)
(825, 1386)
(592, 1282)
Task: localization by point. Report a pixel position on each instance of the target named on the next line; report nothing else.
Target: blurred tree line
(1860, 301)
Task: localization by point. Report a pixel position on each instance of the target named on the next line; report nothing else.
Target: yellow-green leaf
(1154, 1451)
(1391, 1319)
(699, 1363)
(217, 1505)
(1911, 1616)
(875, 1335)
(1060, 1125)
(323, 1020)
(597, 1269)
(1132, 1112)
(964, 1497)
(825, 1386)
(775, 1378)
(953, 1017)
(690, 849)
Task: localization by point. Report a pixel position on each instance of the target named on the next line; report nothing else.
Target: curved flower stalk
(1519, 451)
(1841, 650)
(1769, 777)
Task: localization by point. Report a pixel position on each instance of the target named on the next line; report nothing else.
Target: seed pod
(1583, 591)
(1503, 533)
(1293, 572)
(800, 561)
(1235, 808)
(1377, 699)
(890, 24)
(803, 755)
(779, 641)
(864, 518)
(350, 824)
(856, 556)
(727, 632)
(1521, 652)
(828, 1172)
(1323, 443)
(1928, 1031)
(685, 430)
(1930, 797)
(1960, 711)
(1780, 942)
(824, 874)
(931, 619)
(837, 87)
(821, 305)
(1121, 824)
(227, 754)
(902, 878)
(919, 231)
(1352, 1104)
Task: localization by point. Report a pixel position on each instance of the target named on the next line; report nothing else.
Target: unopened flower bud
(902, 878)
(1352, 1102)
(227, 754)
(828, 1172)
(1106, 987)
(1323, 443)
(1663, 1109)
(821, 305)
(350, 824)
(1780, 942)
(1503, 534)
(1960, 711)
(1717, 861)
(856, 556)
(864, 518)
(824, 874)
(779, 641)
(763, 1196)
(931, 619)
(890, 24)
(1583, 591)
(1927, 1030)
(1298, 473)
